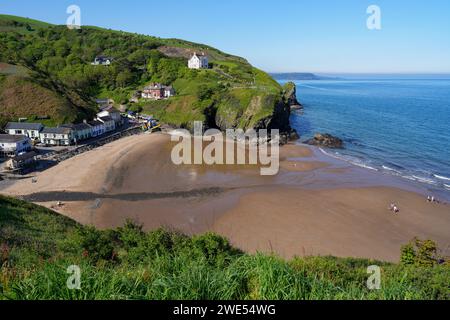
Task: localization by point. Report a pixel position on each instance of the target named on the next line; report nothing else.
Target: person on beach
(394, 208)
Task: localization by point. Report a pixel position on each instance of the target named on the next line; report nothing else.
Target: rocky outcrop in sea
(326, 140)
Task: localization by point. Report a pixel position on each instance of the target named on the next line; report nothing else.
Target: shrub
(214, 248)
(420, 252)
(97, 245)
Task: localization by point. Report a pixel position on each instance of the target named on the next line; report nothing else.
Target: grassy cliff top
(37, 246)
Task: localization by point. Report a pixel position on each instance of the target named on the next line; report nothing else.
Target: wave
(391, 169)
(421, 176)
(349, 159)
(441, 177)
(424, 180)
(362, 165)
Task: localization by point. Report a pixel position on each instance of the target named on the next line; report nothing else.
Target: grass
(23, 97)
(37, 247)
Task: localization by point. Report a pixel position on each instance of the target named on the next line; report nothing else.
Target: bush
(214, 248)
(97, 245)
(420, 253)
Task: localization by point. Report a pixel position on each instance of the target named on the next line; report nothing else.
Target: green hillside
(37, 246)
(230, 94)
(19, 24)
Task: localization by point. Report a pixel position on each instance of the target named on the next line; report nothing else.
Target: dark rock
(326, 140)
(290, 96)
(293, 135)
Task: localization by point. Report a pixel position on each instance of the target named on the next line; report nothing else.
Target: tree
(420, 253)
(124, 78)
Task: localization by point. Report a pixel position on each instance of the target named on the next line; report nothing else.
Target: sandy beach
(312, 207)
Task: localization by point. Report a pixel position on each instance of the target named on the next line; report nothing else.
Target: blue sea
(398, 126)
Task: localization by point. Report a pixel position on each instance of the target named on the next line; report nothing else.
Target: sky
(320, 36)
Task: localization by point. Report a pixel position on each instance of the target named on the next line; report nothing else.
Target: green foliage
(97, 245)
(420, 253)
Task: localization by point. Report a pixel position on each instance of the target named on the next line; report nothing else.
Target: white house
(97, 127)
(31, 130)
(112, 112)
(198, 61)
(108, 122)
(60, 136)
(102, 61)
(12, 145)
(81, 131)
(169, 91)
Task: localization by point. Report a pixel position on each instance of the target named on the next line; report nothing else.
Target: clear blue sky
(323, 36)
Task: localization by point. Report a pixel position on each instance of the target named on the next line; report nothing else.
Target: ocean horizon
(396, 126)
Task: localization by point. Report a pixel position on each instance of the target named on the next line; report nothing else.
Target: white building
(108, 122)
(31, 130)
(112, 112)
(12, 145)
(198, 61)
(80, 131)
(60, 136)
(102, 61)
(97, 127)
(169, 91)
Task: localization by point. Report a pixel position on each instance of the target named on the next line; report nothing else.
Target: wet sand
(312, 207)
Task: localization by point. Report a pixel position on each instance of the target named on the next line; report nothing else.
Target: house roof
(59, 130)
(25, 156)
(154, 86)
(23, 126)
(77, 126)
(11, 138)
(103, 58)
(106, 119)
(95, 123)
(199, 55)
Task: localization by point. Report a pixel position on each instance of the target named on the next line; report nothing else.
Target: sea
(394, 124)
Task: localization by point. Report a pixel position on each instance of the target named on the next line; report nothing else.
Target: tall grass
(128, 263)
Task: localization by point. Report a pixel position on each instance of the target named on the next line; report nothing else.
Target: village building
(169, 91)
(24, 160)
(112, 112)
(104, 102)
(198, 61)
(61, 136)
(108, 122)
(97, 127)
(31, 130)
(154, 91)
(102, 61)
(12, 145)
(81, 131)
(157, 91)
